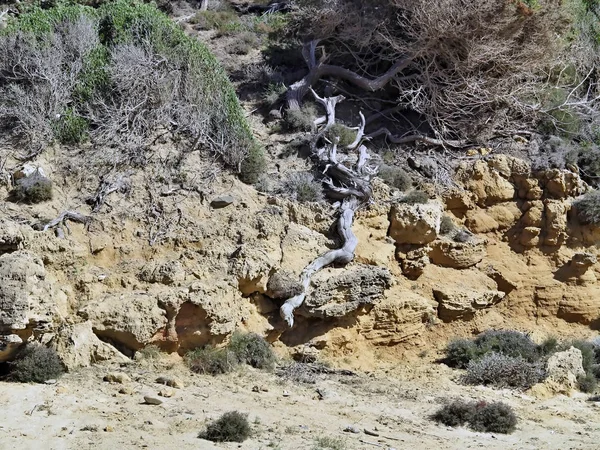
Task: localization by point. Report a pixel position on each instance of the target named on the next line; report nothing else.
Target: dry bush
(121, 73)
(503, 371)
(303, 187)
(588, 208)
(468, 70)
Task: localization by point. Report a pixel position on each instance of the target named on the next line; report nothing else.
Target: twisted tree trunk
(351, 186)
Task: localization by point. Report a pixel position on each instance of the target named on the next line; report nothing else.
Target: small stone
(222, 201)
(152, 400)
(167, 393)
(50, 381)
(62, 390)
(126, 390)
(109, 429)
(352, 429)
(117, 377)
(286, 394)
(171, 382)
(255, 389)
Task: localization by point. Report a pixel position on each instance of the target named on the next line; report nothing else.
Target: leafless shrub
(303, 187)
(504, 371)
(470, 71)
(37, 78)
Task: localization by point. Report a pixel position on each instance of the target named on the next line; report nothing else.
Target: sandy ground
(81, 411)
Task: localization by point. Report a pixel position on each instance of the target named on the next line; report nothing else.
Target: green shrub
(303, 187)
(224, 21)
(301, 119)
(36, 363)
(395, 177)
(415, 197)
(232, 426)
(35, 188)
(447, 225)
(502, 371)
(71, 128)
(253, 165)
(459, 352)
(345, 134)
(587, 383)
(252, 349)
(454, 414)
(211, 361)
(273, 92)
(496, 417)
(509, 343)
(549, 346)
(588, 208)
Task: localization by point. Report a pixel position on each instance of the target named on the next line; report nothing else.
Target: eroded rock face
(460, 303)
(130, 319)
(415, 224)
(458, 255)
(78, 346)
(336, 294)
(563, 368)
(283, 285)
(165, 272)
(401, 316)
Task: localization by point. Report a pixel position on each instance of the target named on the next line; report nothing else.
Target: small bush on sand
(493, 417)
(301, 119)
(36, 363)
(211, 361)
(345, 134)
(252, 349)
(509, 343)
(232, 426)
(496, 417)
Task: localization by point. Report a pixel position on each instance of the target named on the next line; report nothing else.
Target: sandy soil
(81, 411)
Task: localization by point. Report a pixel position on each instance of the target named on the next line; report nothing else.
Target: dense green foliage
(588, 208)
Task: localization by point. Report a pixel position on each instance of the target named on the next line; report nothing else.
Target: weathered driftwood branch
(349, 185)
(415, 138)
(64, 216)
(318, 70)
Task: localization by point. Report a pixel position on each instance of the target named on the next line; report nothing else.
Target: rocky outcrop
(336, 294)
(415, 224)
(458, 255)
(461, 303)
(29, 303)
(165, 272)
(131, 320)
(563, 368)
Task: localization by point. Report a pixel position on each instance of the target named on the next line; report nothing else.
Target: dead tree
(348, 185)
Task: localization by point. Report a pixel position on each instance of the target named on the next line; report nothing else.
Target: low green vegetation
(395, 177)
(243, 348)
(495, 417)
(415, 197)
(35, 188)
(232, 426)
(37, 364)
(588, 208)
(505, 358)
